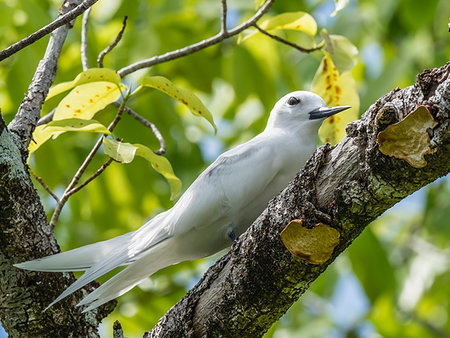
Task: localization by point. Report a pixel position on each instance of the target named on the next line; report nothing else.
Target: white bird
(219, 206)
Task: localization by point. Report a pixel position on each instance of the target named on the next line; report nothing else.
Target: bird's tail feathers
(154, 259)
(79, 259)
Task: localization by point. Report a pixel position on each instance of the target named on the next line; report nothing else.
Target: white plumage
(221, 204)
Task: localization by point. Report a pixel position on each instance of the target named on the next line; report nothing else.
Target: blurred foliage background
(394, 281)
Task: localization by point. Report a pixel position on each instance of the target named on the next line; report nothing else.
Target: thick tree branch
(224, 34)
(353, 183)
(62, 20)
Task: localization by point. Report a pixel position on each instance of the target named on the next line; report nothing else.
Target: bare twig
(286, 42)
(90, 179)
(44, 185)
(224, 17)
(62, 20)
(148, 124)
(112, 45)
(196, 46)
(76, 178)
(84, 39)
(46, 118)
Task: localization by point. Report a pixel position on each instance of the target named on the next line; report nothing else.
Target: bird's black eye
(292, 101)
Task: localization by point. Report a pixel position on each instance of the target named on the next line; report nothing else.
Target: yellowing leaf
(87, 99)
(182, 95)
(300, 21)
(163, 166)
(315, 245)
(336, 90)
(343, 53)
(55, 128)
(340, 4)
(119, 151)
(90, 75)
(408, 139)
(125, 153)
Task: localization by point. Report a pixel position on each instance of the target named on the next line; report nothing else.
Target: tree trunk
(346, 187)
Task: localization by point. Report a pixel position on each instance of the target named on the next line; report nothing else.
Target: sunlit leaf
(340, 4)
(55, 128)
(186, 97)
(90, 75)
(126, 152)
(343, 53)
(85, 100)
(119, 151)
(163, 166)
(336, 90)
(299, 21)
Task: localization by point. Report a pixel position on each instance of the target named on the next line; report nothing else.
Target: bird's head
(299, 109)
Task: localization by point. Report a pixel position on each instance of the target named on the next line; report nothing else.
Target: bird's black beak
(323, 112)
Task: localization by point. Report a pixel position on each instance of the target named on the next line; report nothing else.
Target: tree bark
(346, 186)
(24, 230)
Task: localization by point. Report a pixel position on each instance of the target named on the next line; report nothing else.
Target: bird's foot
(231, 234)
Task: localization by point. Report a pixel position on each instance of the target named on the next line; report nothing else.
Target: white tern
(219, 206)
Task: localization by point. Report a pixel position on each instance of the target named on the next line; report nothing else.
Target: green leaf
(336, 90)
(55, 128)
(343, 53)
(125, 153)
(182, 95)
(90, 75)
(300, 21)
(340, 4)
(85, 100)
(119, 151)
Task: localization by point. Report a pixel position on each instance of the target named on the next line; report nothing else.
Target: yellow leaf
(299, 21)
(315, 245)
(87, 99)
(336, 90)
(55, 128)
(125, 153)
(90, 75)
(163, 166)
(182, 95)
(119, 151)
(409, 139)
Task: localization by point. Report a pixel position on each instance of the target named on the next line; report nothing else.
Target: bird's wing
(237, 177)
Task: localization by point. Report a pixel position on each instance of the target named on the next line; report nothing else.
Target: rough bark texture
(346, 186)
(24, 230)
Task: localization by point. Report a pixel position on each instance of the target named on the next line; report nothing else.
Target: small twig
(148, 124)
(46, 118)
(84, 39)
(82, 169)
(113, 44)
(286, 42)
(90, 179)
(44, 185)
(196, 46)
(62, 20)
(224, 17)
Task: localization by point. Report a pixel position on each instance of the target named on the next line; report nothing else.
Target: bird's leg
(231, 234)
(311, 209)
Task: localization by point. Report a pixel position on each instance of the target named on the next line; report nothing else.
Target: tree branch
(76, 178)
(148, 124)
(286, 42)
(224, 17)
(196, 46)
(353, 183)
(113, 44)
(62, 20)
(84, 39)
